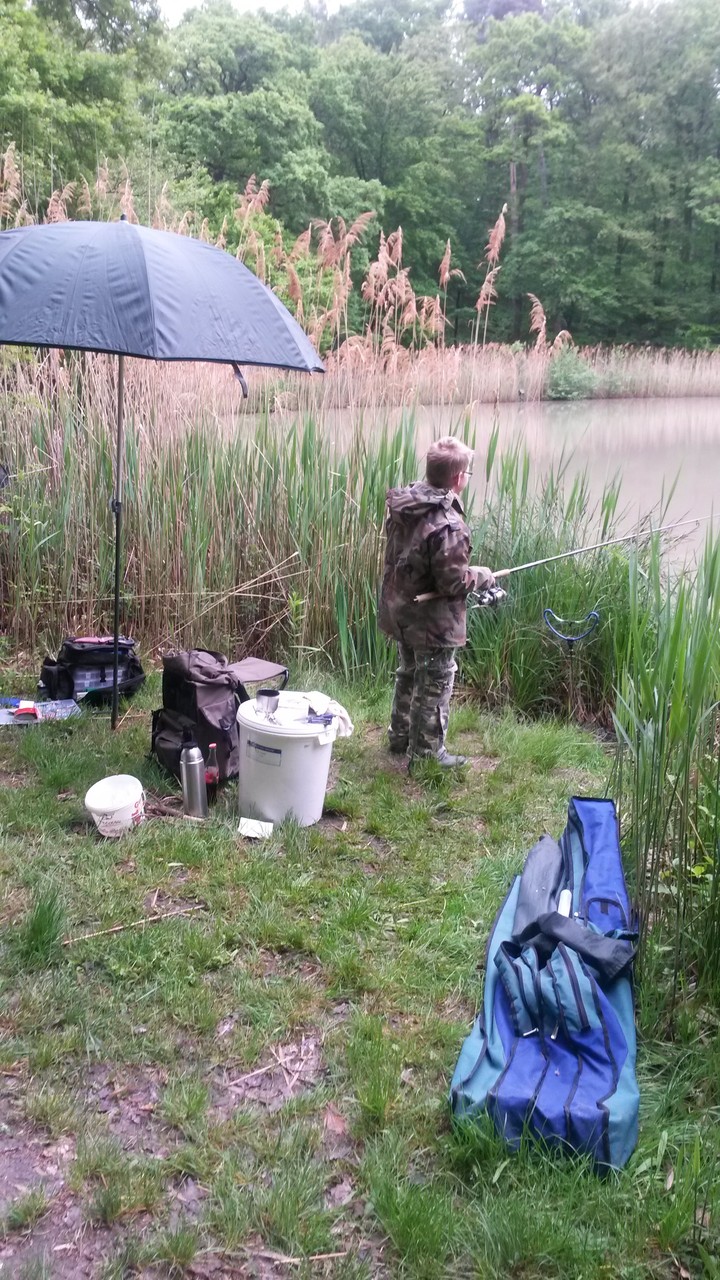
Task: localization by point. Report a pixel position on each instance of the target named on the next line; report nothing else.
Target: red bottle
(212, 771)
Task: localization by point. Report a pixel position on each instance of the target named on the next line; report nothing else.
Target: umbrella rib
(83, 255)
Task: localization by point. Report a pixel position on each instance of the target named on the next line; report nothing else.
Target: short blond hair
(445, 459)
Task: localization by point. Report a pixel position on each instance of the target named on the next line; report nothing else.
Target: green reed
(269, 541)
(668, 724)
(512, 655)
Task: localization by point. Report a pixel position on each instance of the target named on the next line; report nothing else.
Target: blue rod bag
(552, 1054)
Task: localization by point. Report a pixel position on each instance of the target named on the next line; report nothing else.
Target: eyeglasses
(467, 473)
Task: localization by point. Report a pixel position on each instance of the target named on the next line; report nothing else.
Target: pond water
(651, 444)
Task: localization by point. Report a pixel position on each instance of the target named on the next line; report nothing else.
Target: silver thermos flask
(192, 776)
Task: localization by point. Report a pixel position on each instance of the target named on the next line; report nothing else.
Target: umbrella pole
(117, 510)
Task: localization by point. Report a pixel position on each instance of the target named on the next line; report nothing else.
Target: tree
(112, 26)
(63, 106)
(479, 12)
(385, 27)
(216, 50)
(378, 110)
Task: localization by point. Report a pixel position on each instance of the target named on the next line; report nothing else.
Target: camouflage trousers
(423, 687)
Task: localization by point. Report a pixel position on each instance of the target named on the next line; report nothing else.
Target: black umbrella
(129, 290)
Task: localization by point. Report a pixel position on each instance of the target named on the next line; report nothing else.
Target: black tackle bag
(202, 692)
(83, 670)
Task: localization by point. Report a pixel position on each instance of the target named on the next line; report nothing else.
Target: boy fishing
(428, 553)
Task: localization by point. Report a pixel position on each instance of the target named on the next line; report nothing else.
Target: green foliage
(111, 25)
(377, 110)
(570, 376)
(270, 131)
(386, 27)
(62, 105)
(218, 51)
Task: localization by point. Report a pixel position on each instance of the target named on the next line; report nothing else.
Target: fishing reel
(488, 597)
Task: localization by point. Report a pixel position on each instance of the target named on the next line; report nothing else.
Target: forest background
(597, 122)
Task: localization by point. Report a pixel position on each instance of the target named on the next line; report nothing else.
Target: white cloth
(319, 704)
(252, 829)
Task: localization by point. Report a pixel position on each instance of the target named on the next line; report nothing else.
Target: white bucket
(284, 761)
(117, 804)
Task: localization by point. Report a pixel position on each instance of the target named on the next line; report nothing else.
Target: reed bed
(466, 375)
(512, 655)
(266, 534)
(360, 379)
(267, 541)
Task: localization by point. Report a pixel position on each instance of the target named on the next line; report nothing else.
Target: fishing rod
(597, 546)
(565, 555)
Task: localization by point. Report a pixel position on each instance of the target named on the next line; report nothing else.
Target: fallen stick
(134, 924)
(281, 1062)
(269, 1255)
(297, 1262)
(259, 1071)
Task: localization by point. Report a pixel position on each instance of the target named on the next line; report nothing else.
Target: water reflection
(657, 447)
(651, 444)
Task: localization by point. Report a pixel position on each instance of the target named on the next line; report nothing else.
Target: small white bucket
(284, 761)
(117, 804)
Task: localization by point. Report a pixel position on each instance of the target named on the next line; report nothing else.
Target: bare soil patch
(288, 1071)
(13, 779)
(483, 764)
(157, 901)
(286, 964)
(31, 1159)
(127, 1099)
(70, 1248)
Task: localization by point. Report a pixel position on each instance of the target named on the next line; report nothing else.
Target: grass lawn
(259, 1088)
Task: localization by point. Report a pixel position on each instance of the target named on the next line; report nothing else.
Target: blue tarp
(552, 1054)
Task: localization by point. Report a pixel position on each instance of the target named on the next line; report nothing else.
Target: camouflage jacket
(428, 549)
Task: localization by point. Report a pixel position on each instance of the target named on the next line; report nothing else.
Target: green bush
(570, 377)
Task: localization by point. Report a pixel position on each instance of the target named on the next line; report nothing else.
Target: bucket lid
(113, 793)
(289, 721)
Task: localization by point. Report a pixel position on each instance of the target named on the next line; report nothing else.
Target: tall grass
(267, 542)
(271, 540)
(512, 656)
(668, 776)
(38, 939)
